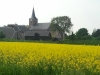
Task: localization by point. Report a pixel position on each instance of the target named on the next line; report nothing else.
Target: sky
(83, 13)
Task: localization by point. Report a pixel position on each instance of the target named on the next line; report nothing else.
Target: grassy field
(27, 58)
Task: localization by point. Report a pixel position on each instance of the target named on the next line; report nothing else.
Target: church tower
(33, 20)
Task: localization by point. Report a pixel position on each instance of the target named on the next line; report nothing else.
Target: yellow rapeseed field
(49, 59)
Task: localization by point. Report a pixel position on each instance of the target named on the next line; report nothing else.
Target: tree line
(82, 34)
(63, 25)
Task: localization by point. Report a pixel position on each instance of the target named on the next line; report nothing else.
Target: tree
(81, 33)
(72, 36)
(2, 35)
(96, 33)
(61, 24)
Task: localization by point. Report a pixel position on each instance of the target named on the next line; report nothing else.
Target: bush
(55, 39)
(71, 37)
(86, 37)
(97, 38)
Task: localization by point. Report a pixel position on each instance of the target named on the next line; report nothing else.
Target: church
(35, 30)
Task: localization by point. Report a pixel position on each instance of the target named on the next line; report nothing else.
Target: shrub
(54, 39)
(87, 37)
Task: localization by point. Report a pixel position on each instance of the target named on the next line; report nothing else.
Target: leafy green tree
(72, 37)
(2, 35)
(87, 37)
(96, 33)
(81, 33)
(61, 24)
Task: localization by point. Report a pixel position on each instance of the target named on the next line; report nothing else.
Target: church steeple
(33, 14)
(33, 20)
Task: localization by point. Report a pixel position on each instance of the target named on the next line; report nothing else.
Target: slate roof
(8, 31)
(18, 27)
(41, 33)
(33, 14)
(22, 28)
(40, 26)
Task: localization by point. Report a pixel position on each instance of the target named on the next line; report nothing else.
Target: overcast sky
(83, 13)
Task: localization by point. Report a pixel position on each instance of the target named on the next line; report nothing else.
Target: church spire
(33, 20)
(33, 14)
